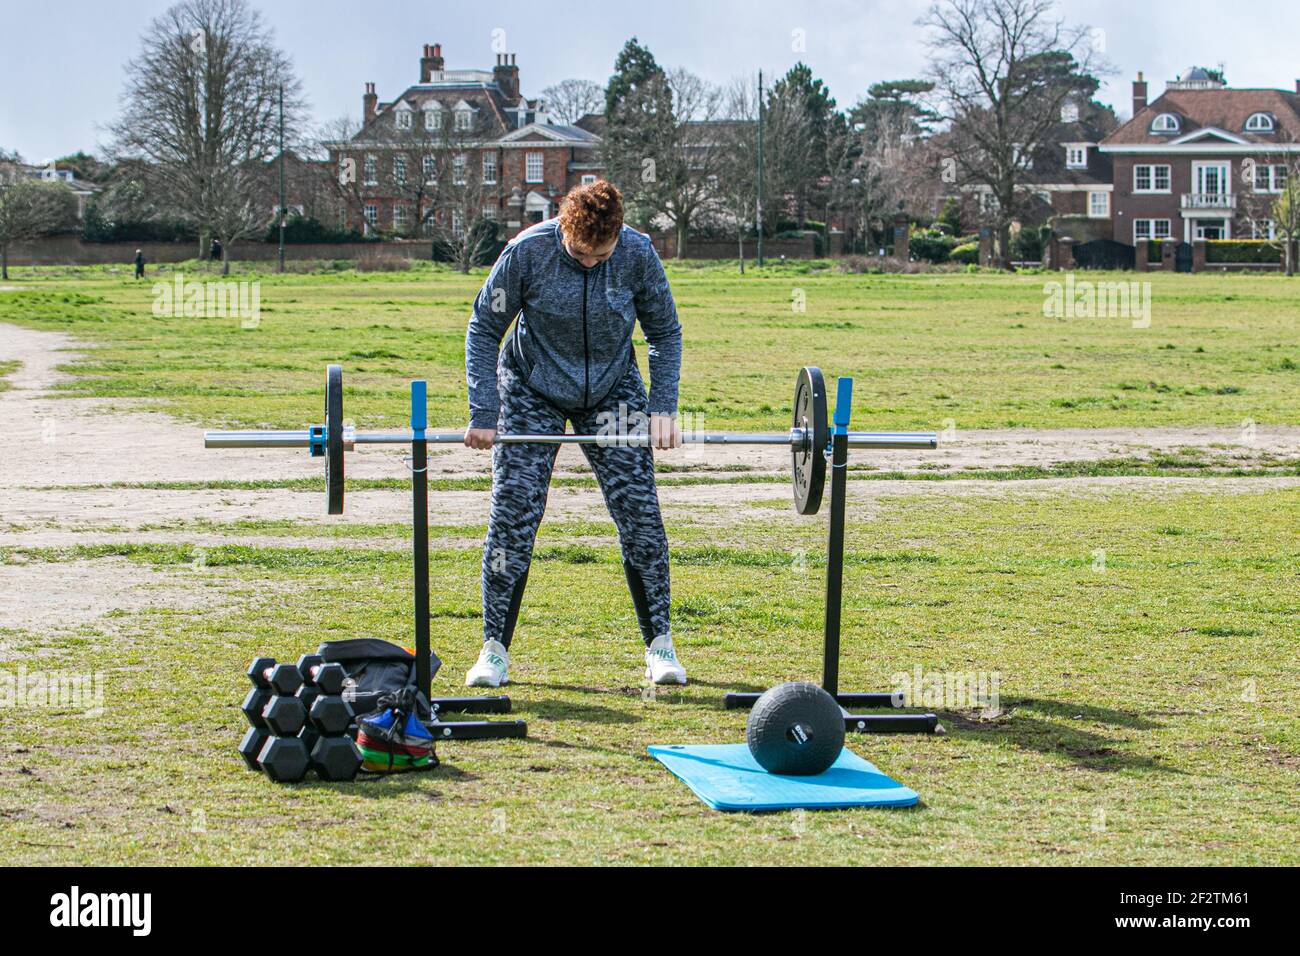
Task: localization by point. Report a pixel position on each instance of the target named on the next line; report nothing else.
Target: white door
(1212, 179)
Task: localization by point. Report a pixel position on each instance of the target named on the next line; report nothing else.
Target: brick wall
(69, 250)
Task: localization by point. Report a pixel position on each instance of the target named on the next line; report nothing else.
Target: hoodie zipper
(586, 348)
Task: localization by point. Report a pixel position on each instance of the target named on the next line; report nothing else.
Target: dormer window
(1165, 123)
(464, 116)
(403, 118)
(1076, 157)
(432, 115)
(1070, 112)
(1259, 123)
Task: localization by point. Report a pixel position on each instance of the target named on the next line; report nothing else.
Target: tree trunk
(1004, 246)
(225, 260)
(4, 262)
(681, 238)
(742, 253)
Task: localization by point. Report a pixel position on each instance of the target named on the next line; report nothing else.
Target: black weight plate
(334, 438)
(808, 464)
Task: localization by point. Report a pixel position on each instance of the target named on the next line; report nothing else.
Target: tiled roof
(1225, 109)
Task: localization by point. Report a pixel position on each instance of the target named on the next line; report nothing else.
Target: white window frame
(1093, 211)
(458, 164)
(539, 175)
(370, 213)
(1274, 178)
(1151, 169)
(433, 118)
(1266, 126)
(490, 213)
(1270, 230)
(1076, 157)
(402, 119)
(1224, 166)
(370, 170)
(399, 170)
(587, 179)
(464, 120)
(430, 168)
(1150, 229)
(489, 169)
(457, 224)
(1166, 123)
(399, 217)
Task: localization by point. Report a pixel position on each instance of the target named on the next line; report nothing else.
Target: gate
(1103, 254)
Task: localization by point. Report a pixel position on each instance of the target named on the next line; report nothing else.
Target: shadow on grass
(1053, 733)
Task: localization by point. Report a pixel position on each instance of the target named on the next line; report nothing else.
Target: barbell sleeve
(796, 437)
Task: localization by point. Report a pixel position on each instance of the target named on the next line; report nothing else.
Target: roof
(1223, 110)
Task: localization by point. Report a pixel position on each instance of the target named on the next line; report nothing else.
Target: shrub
(1241, 250)
(968, 253)
(931, 244)
(300, 230)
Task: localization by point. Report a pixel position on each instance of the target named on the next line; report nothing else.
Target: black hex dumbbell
(330, 715)
(284, 759)
(251, 746)
(308, 664)
(284, 679)
(336, 758)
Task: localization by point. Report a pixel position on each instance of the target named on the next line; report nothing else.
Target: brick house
(470, 128)
(1065, 180)
(1181, 163)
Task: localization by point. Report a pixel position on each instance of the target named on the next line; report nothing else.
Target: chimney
(1139, 94)
(1297, 86)
(431, 62)
(369, 104)
(506, 75)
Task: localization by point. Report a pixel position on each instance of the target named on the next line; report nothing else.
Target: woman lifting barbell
(578, 284)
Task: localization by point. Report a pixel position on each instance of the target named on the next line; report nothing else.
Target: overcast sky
(61, 62)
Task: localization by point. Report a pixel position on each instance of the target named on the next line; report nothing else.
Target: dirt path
(62, 454)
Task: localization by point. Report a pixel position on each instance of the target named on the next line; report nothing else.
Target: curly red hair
(592, 215)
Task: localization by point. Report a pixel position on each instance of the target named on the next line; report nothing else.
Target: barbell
(808, 439)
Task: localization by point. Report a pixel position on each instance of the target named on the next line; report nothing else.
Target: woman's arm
(495, 307)
(657, 313)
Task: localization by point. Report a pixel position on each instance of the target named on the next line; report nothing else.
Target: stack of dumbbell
(299, 721)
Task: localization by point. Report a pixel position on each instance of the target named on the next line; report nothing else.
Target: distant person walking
(214, 251)
(139, 263)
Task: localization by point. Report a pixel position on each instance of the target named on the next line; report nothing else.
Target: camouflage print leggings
(521, 477)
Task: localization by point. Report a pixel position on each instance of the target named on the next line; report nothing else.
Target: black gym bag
(375, 668)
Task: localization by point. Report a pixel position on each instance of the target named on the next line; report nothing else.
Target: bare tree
(200, 107)
(736, 195)
(570, 100)
(1002, 70)
(30, 209)
(1271, 202)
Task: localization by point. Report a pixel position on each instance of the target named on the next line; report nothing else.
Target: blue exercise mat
(726, 777)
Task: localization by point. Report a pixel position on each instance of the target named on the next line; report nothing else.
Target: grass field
(974, 348)
(1142, 628)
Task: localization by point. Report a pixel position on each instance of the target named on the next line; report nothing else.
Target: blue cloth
(574, 335)
(726, 777)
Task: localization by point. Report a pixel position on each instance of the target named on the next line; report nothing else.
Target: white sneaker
(661, 663)
(493, 667)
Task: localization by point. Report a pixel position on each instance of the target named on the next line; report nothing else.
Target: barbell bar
(796, 438)
(808, 438)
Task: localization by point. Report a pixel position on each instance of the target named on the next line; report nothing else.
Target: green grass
(1148, 695)
(974, 348)
(7, 368)
(1143, 637)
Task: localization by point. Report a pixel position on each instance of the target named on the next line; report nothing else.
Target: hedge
(1241, 250)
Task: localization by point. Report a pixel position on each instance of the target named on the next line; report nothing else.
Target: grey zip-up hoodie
(573, 340)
